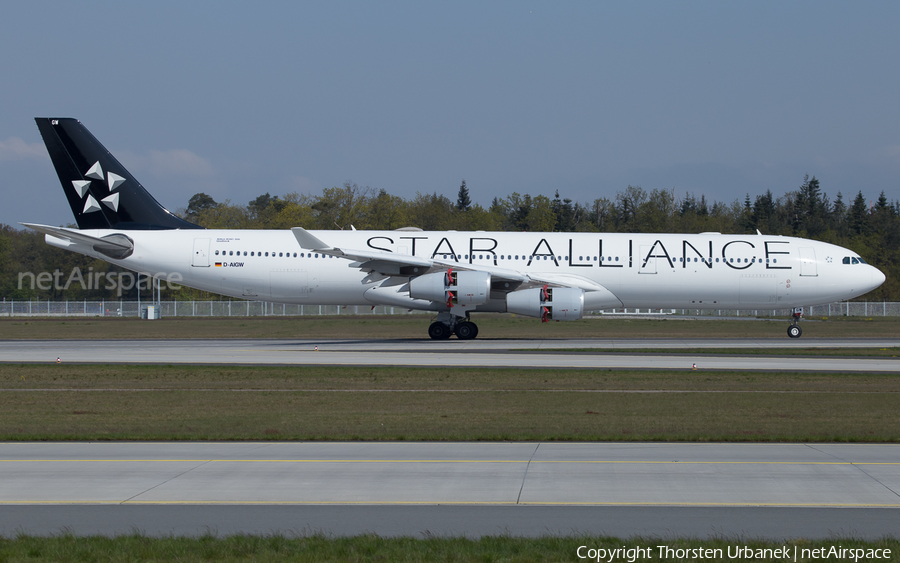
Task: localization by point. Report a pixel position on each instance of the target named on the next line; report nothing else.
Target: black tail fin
(101, 193)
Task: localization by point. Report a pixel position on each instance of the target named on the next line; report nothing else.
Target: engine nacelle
(452, 288)
(547, 303)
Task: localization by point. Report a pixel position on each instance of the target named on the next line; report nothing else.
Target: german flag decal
(218, 264)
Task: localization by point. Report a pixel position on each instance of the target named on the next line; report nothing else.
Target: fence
(261, 308)
(121, 308)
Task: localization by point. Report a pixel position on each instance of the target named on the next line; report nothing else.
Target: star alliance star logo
(96, 173)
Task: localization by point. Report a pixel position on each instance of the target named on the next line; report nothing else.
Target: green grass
(84, 402)
(319, 548)
(415, 326)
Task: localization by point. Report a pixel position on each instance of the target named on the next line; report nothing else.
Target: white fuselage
(696, 271)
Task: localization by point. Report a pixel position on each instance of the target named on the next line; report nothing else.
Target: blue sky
(239, 99)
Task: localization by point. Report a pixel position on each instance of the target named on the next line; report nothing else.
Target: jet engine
(547, 303)
(452, 288)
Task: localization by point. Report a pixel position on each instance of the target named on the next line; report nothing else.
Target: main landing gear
(447, 325)
(794, 331)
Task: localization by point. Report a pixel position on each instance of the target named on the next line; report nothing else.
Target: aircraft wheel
(466, 330)
(439, 331)
(794, 331)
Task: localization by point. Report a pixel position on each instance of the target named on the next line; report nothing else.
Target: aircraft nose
(877, 277)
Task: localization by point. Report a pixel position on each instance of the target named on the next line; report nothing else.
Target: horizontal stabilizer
(116, 245)
(77, 237)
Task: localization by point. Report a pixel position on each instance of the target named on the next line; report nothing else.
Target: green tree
(198, 203)
(628, 204)
(431, 212)
(658, 212)
(858, 218)
(463, 203)
(341, 207)
(566, 217)
(540, 216)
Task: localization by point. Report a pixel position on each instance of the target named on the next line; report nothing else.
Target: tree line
(870, 228)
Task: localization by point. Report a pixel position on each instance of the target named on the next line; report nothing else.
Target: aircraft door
(808, 262)
(201, 253)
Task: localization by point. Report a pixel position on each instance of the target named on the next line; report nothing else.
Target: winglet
(307, 240)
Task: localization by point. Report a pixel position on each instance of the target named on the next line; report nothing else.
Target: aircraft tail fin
(100, 191)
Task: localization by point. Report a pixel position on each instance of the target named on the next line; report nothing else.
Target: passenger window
(267, 253)
(217, 252)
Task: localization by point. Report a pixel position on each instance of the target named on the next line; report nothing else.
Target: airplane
(548, 276)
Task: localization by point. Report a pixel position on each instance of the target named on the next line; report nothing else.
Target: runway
(473, 489)
(474, 353)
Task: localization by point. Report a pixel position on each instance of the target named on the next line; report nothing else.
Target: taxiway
(756, 490)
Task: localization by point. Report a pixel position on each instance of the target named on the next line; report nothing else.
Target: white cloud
(15, 148)
(170, 163)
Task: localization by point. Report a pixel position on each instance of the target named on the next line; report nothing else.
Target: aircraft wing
(310, 242)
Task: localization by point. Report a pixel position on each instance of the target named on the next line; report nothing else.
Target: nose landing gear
(794, 331)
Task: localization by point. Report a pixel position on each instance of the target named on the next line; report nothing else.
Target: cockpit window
(853, 260)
